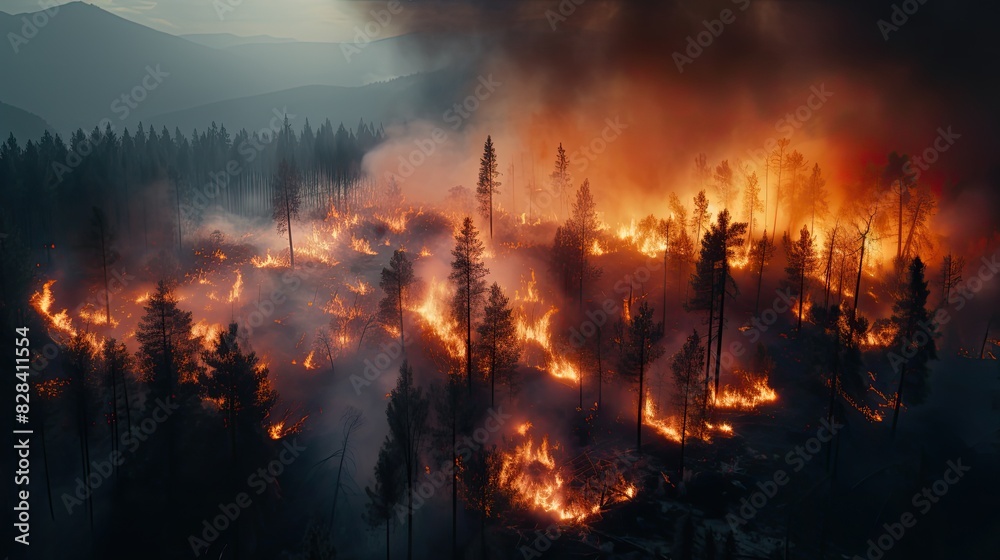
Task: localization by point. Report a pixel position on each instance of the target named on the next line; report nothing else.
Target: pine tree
(468, 273)
(386, 493)
(168, 357)
(701, 215)
(396, 281)
(102, 238)
(724, 184)
(407, 414)
(641, 349)
(686, 366)
(711, 281)
(802, 262)
(585, 223)
(760, 254)
(286, 202)
(240, 382)
(561, 179)
(917, 346)
(499, 348)
(488, 183)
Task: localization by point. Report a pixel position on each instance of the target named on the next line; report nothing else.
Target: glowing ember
(282, 428)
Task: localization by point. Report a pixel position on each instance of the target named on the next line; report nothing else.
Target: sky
(303, 20)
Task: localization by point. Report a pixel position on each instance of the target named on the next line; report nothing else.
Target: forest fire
(539, 483)
(556, 286)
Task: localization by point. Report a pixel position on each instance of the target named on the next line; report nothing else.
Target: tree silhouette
(499, 348)
(286, 201)
(488, 183)
(686, 366)
(914, 343)
(396, 281)
(802, 262)
(468, 273)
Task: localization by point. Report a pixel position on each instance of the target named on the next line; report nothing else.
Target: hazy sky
(305, 20)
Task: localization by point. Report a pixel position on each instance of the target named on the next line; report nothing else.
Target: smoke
(722, 77)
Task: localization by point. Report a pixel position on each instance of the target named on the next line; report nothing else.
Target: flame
(754, 392)
(93, 316)
(435, 314)
(208, 332)
(596, 249)
(424, 252)
(361, 288)
(308, 362)
(538, 482)
(268, 261)
(234, 294)
(362, 246)
(649, 243)
(42, 302)
(282, 428)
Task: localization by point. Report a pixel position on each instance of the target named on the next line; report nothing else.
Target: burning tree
(407, 413)
(712, 279)
(468, 273)
(240, 382)
(396, 281)
(686, 366)
(802, 262)
(814, 196)
(286, 202)
(917, 346)
(498, 345)
(102, 238)
(488, 183)
(641, 347)
(724, 184)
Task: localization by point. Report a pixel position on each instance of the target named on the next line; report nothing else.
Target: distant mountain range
(88, 67)
(21, 123)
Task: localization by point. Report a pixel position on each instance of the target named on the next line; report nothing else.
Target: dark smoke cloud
(571, 60)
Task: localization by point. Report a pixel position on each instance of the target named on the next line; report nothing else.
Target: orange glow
(42, 302)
